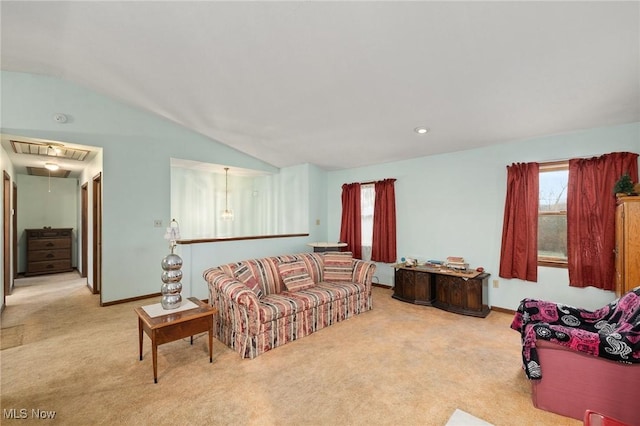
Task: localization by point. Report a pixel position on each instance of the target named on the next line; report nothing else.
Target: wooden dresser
(451, 292)
(48, 251)
(627, 244)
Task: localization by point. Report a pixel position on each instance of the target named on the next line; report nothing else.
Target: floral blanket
(611, 332)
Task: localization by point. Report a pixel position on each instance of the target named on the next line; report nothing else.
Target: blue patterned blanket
(611, 332)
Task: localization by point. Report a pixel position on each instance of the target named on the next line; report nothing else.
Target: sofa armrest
(235, 301)
(363, 272)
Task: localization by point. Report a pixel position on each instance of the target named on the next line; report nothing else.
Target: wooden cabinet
(457, 294)
(414, 286)
(48, 251)
(627, 244)
(466, 296)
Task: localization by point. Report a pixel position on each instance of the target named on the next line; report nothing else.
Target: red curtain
(519, 253)
(591, 207)
(350, 228)
(383, 248)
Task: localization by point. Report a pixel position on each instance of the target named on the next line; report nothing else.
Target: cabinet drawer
(42, 255)
(49, 244)
(48, 266)
(48, 233)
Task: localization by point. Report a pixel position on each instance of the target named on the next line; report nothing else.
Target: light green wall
(37, 208)
(450, 204)
(7, 167)
(135, 172)
(453, 205)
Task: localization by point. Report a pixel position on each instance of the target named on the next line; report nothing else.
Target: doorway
(84, 230)
(97, 234)
(6, 236)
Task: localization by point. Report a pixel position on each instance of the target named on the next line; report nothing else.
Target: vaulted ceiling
(344, 84)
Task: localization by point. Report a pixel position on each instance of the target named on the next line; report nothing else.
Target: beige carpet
(399, 364)
(11, 336)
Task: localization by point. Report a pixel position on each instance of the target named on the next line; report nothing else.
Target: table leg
(211, 343)
(140, 336)
(155, 357)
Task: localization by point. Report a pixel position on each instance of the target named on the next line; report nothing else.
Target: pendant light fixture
(227, 213)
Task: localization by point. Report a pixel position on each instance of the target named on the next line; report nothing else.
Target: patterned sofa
(581, 360)
(265, 303)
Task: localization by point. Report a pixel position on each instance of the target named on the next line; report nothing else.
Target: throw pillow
(338, 266)
(245, 275)
(295, 275)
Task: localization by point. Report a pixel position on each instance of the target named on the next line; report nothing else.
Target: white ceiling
(343, 84)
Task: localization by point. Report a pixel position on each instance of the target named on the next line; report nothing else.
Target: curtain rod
(374, 181)
(579, 157)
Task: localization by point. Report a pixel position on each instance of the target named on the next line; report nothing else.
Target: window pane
(552, 236)
(553, 190)
(367, 199)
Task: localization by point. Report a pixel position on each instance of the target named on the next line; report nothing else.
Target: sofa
(581, 360)
(268, 302)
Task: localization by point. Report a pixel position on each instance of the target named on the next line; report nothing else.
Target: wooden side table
(174, 326)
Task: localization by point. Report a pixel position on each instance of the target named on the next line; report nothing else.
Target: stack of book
(457, 263)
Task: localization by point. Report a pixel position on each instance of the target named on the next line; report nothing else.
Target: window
(552, 214)
(367, 201)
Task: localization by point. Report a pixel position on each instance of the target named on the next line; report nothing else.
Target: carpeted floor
(399, 364)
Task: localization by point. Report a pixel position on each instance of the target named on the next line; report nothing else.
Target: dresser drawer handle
(50, 255)
(50, 244)
(50, 266)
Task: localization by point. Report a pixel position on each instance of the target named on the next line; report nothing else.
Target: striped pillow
(338, 266)
(245, 274)
(295, 275)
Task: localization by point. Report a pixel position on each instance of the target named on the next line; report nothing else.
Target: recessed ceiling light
(421, 130)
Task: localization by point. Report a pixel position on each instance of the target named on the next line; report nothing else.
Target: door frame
(84, 229)
(97, 234)
(14, 220)
(6, 236)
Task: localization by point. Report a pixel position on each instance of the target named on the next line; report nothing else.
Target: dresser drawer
(42, 255)
(48, 266)
(49, 244)
(48, 233)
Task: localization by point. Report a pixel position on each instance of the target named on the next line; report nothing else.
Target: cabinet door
(405, 285)
(423, 287)
(442, 290)
(457, 292)
(631, 269)
(474, 296)
(619, 249)
(449, 290)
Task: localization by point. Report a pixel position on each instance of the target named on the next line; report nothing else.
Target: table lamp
(171, 273)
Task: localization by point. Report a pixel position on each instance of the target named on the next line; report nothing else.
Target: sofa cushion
(338, 266)
(275, 306)
(244, 274)
(325, 292)
(295, 275)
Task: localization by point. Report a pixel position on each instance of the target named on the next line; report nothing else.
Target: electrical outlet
(496, 283)
(157, 223)
(317, 221)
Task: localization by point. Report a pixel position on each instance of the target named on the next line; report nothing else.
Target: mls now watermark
(23, 413)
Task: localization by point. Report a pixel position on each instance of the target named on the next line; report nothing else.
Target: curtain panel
(351, 227)
(384, 222)
(519, 251)
(591, 207)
